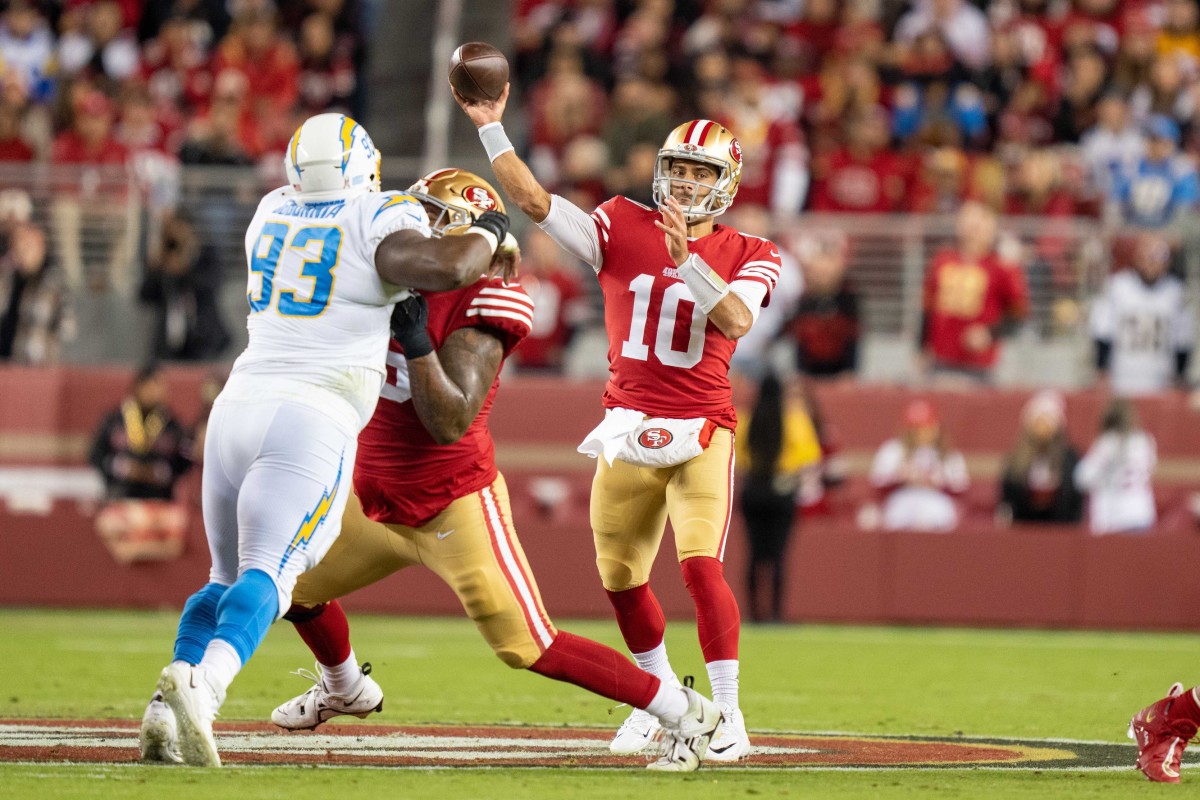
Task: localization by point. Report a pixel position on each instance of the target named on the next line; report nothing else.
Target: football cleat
(159, 737)
(730, 742)
(684, 744)
(194, 702)
(318, 704)
(1161, 737)
(638, 732)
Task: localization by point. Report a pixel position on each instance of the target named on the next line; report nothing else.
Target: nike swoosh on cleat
(722, 749)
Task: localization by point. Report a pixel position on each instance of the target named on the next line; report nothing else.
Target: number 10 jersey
(665, 358)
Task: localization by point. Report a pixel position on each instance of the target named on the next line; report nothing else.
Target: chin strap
(707, 287)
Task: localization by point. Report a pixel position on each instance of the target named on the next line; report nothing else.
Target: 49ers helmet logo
(655, 438)
(735, 151)
(479, 197)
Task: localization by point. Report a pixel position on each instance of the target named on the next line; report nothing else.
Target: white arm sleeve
(752, 293)
(574, 230)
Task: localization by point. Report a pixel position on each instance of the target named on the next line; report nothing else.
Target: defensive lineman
(328, 256)
(679, 290)
(428, 492)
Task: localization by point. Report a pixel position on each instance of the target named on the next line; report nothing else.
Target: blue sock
(197, 623)
(246, 612)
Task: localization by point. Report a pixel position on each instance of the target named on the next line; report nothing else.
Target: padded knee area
(515, 659)
(476, 595)
(298, 613)
(615, 575)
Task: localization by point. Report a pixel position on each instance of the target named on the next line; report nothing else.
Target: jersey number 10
(635, 346)
(317, 265)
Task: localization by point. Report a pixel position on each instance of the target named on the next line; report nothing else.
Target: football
(478, 72)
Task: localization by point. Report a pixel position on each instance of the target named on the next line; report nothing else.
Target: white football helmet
(331, 153)
(709, 143)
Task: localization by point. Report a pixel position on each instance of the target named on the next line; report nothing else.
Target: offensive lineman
(328, 256)
(679, 290)
(427, 491)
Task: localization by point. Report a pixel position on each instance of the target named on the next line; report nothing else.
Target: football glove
(409, 320)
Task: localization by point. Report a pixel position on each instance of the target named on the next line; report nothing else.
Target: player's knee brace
(198, 623)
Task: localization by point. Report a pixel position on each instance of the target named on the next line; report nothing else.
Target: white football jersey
(1146, 326)
(319, 312)
(1116, 473)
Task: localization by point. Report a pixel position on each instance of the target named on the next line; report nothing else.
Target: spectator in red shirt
(862, 176)
(971, 299)
(175, 68)
(90, 144)
(255, 48)
(559, 304)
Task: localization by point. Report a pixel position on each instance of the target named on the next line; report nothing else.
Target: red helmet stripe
(708, 126)
(688, 135)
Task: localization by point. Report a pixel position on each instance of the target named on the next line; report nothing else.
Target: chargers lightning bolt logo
(313, 520)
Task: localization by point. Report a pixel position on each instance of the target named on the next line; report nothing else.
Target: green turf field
(65, 664)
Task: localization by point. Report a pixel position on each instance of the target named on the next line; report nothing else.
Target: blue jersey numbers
(318, 247)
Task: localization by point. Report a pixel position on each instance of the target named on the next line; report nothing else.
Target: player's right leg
(1162, 731)
(628, 516)
(484, 563)
(365, 553)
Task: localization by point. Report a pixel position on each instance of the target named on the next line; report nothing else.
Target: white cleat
(194, 703)
(730, 742)
(684, 744)
(318, 704)
(640, 731)
(158, 737)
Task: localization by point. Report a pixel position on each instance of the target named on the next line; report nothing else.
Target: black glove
(409, 319)
(494, 223)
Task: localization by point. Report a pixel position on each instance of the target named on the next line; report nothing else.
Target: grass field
(943, 682)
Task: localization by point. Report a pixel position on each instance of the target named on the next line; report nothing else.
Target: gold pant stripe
(518, 578)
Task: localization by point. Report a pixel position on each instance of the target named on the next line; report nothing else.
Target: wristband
(706, 286)
(493, 242)
(495, 140)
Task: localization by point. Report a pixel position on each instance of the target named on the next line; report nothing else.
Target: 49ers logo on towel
(655, 438)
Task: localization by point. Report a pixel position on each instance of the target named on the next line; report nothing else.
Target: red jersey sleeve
(503, 308)
(762, 265)
(603, 217)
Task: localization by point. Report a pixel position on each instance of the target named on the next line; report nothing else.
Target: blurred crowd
(1035, 107)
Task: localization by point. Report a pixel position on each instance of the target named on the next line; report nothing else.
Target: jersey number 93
(318, 247)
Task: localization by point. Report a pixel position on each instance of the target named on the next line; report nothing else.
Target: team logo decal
(688, 147)
(655, 438)
(479, 197)
(735, 151)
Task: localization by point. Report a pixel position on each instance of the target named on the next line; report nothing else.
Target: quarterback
(427, 491)
(328, 256)
(679, 290)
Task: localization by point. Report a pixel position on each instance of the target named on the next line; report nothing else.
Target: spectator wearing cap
(1114, 144)
(1161, 186)
(1038, 482)
(140, 448)
(919, 473)
(91, 146)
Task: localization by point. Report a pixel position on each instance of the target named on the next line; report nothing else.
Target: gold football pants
(471, 545)
(630, 506)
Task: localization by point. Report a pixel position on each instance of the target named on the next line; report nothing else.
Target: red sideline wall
(978, 575)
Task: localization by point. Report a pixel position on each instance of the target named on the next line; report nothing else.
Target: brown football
(478, 72)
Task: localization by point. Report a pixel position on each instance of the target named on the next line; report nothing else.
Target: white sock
(657, 664)
(220, 664)
(669, 704)
(723, 678)
(342, 678)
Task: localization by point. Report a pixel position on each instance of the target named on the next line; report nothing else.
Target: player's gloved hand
(409, 320)
(494, 227)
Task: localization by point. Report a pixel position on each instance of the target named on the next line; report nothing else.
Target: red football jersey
(962, 292)
(402, 476)
(665, 358)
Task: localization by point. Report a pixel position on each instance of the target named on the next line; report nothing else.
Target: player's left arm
(450, 384)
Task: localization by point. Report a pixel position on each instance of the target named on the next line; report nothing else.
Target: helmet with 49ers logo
(454, 198)
(706, 142)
